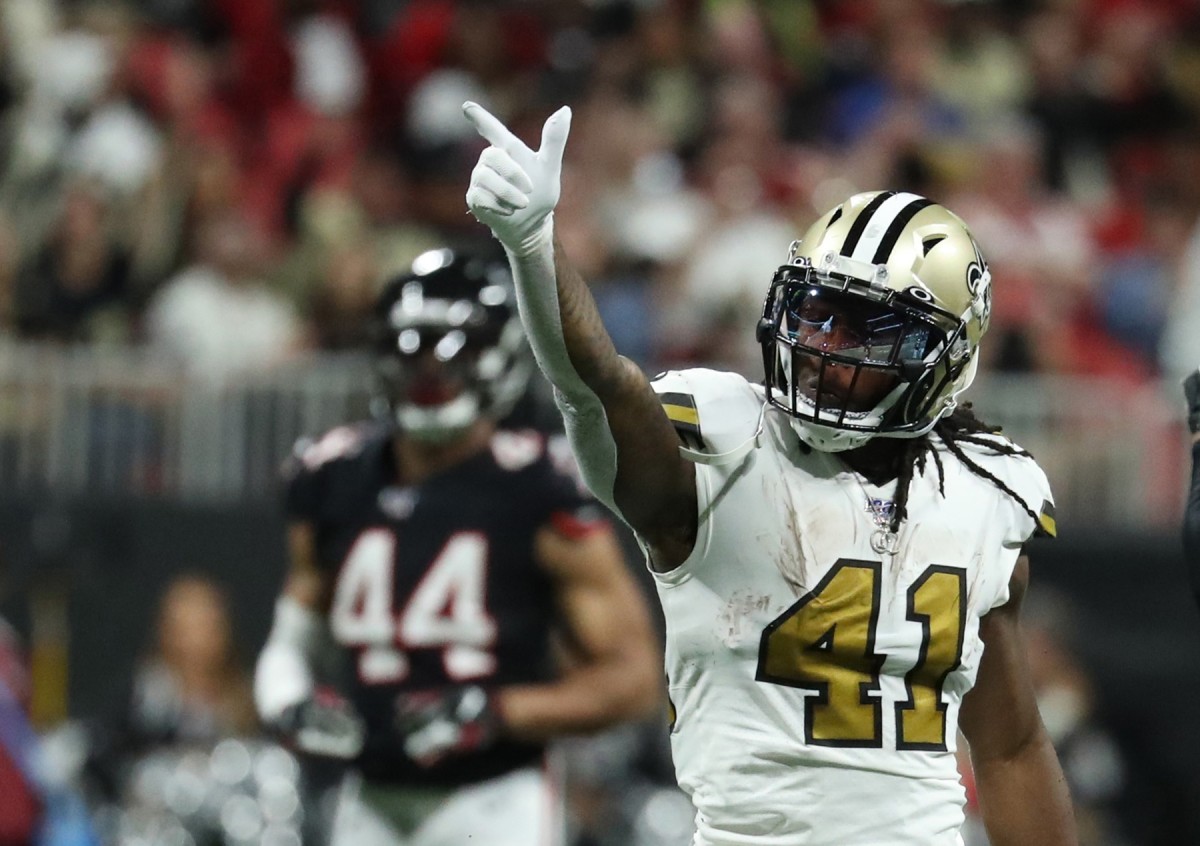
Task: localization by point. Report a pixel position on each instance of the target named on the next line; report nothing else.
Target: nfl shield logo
(881, 510)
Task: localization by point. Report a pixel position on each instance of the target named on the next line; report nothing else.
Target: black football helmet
(448, 345)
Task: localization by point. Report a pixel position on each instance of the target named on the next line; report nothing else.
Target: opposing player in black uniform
(1191, 516)
(450, 560)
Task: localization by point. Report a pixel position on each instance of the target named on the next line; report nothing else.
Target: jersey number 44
(446, 611)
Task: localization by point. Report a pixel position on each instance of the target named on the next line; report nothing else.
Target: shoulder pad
(340, 442)
(311, 454)
(1024, 476)
(681, 410)
(309, 473)
(712, 411)
(1047, 524)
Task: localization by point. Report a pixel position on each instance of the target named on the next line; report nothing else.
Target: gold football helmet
(872, 327)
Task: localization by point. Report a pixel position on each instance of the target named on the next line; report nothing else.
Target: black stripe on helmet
(860, 225)
(888, 242)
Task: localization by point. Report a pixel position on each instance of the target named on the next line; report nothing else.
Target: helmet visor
(853, 327)
(428, 366)
(844, 353)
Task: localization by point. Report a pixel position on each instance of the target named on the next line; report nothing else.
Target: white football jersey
(814, 681)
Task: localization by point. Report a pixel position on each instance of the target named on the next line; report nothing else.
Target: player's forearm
(568, 337)
(587, 700)
(513, 191)
(1024, 798)
(574, 351)
(283, 673)
(591, 350)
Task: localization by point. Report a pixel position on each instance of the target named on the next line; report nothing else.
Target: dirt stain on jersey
(789, 558)
(743, 616)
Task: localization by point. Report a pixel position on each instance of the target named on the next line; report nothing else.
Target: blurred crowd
(229, 181)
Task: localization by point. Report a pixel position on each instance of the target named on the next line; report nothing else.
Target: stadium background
(199, 199)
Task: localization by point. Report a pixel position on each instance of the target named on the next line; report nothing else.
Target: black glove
(1191, 390)
(435, 724)
(325, 724)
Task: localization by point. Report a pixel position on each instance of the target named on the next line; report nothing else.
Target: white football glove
(513, 189)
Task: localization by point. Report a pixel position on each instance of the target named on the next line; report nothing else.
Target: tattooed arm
(625, 445)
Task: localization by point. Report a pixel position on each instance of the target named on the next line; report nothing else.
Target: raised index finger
(554, 135)
(493, 131)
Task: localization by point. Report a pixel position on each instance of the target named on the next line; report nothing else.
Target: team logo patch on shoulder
(681, 411)
(1047, 525)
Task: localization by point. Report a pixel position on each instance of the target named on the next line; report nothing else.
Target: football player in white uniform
(838, 551)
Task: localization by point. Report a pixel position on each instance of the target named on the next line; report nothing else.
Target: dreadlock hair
(959, 427)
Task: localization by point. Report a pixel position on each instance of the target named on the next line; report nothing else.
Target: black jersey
(435, 584)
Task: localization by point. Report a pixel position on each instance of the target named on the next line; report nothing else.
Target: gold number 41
(826, 643)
